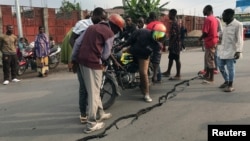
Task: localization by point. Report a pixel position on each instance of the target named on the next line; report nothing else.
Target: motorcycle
(54, 57)
(126, 75)
(28, 59)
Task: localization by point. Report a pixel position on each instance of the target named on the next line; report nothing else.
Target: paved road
(47, 109)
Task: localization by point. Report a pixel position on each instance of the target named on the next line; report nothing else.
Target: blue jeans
(227, 68)
(83, 95)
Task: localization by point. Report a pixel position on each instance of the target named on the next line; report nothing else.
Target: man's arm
(72, 39)
(76, 47)
(239, 41)
(107, 48)
(204, 35)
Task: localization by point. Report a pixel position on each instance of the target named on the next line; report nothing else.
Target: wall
(56, 25)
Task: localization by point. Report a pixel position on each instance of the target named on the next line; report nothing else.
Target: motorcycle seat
(53, 49)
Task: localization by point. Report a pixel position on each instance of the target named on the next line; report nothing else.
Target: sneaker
(224, 85)
(6, 82)
(105, 116)
(229, 89)
(83, 119)
(15, 80)
(147, 98)
(97, 126)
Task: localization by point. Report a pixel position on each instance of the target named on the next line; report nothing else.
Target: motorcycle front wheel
(54, 64)
(108, 93)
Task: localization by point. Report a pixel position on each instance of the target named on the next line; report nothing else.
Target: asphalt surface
(46, 109)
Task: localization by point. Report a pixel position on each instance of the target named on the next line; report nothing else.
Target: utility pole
(31, 3)
(19, 20)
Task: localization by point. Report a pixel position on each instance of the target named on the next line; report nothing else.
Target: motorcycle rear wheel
(108, 93)
(54, 65)
(21, 70)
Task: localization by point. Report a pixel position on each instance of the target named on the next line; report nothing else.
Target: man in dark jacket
(143, 43)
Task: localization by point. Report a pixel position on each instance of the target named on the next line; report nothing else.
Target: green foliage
(142, 8)
(68, 6)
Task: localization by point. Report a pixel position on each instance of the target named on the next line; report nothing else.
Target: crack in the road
(162, 99)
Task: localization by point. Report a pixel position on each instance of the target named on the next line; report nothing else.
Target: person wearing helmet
(95, 47)
(174, 47)
(153, 20)
(143, 43)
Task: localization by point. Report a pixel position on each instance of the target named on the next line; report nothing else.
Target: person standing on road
(42, 50)
(210, 36)
(174, 47)
(96, 47)
(219, 30)
(152, 21)
(230, 49)
(8, 47)
(99, 14)
(67, 50)
(183, 35)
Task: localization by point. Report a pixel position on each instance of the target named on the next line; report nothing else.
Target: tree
(68, 6)
(142, 8)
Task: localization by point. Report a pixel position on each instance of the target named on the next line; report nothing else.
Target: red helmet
(117, 20)
(159, 31)
(159, 27)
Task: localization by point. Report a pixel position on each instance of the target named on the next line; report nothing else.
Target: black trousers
(10, 63)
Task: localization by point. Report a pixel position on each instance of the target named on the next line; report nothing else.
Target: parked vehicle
(27, 58)
(54, 57)
(126, 76)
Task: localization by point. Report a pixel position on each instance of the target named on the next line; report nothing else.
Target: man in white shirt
(230, 49)
(82, 25)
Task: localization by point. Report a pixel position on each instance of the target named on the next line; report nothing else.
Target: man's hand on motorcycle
(118, 65)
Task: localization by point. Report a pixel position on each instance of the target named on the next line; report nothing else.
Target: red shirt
(210, 27)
